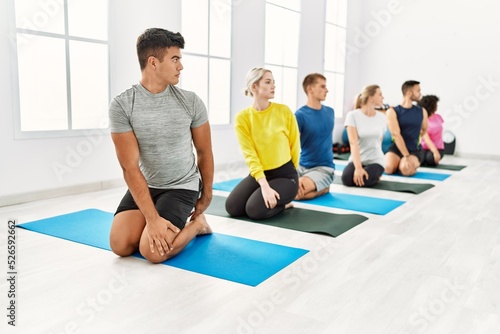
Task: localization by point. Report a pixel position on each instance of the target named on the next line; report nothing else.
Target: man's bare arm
(202, 140)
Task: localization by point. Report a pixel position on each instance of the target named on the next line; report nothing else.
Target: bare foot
(289, 205)
(204, 227)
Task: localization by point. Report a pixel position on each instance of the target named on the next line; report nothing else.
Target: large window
(335, 45)
(282, 48)
(206, 27)
(62, 66)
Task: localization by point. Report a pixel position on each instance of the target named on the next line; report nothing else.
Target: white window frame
(283, 66)
(222, 6)
(18, 133)
(339, 112)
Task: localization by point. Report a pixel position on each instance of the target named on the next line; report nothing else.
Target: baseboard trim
(477, 156)
(59, 192)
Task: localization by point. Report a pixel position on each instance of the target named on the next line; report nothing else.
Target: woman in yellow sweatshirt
(269, 139)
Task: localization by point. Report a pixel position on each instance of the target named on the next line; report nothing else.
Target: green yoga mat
(345, 157)
(404, 187)
(297, 219)
(447, 167)
(341, 156)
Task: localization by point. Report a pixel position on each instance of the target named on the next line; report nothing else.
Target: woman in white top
(365, 130)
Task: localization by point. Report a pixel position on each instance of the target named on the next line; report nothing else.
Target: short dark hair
(310, 79)
(408, 85)
(155, 42)
(429, 103)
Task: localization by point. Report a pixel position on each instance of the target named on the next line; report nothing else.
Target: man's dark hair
(429, 103)
(408, 85)
(155, 42)
(310, 80)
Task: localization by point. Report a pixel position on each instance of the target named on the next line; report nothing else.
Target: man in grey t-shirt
(154, 126)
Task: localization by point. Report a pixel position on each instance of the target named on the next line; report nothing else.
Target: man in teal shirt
(316, 121)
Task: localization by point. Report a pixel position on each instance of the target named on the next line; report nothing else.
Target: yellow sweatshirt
(268, 138)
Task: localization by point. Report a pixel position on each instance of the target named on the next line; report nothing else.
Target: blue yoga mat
(223, 256)
(418, 175)
(378, 206)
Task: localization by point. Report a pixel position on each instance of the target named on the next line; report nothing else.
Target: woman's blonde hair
(362, 98)
(254, 76)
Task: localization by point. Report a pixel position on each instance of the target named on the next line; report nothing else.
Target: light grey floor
(430, 266)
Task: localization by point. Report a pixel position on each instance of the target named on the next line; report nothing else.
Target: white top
(370, 132)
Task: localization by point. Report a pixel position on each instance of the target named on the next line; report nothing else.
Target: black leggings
(374, 172)
(246, 198)
(428, 158)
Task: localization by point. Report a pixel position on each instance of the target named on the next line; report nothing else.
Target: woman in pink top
(432, 141)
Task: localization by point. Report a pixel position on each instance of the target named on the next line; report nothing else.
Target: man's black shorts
(175, 205)
(394, 149)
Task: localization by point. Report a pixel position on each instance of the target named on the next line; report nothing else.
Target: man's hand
(201, 205)
(302, 188)
(158, 235)
(437, 156)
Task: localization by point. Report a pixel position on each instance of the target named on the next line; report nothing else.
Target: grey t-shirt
(370, 132)
(162, 124)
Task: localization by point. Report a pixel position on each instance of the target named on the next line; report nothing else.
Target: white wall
(452, 48)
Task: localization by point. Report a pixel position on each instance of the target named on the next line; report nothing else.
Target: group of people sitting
(290, 156)
(155, 125)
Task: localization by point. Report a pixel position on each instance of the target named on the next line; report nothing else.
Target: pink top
(435, 131)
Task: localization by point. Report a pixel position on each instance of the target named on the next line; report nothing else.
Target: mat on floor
(378, 206)
(341, 156)
(223, 256)
(418, 175)
(404, 187)
(298, 219)
(447, 167)
(345, 156)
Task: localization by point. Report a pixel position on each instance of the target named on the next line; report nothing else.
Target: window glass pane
(286, 85)
(89, 84)
(194, 27)
(330, 47)
(335, 96)
(88, 19)
(194, 76)
(336, 12)
(220, 91)
(291, 38)
(39, 15)
(42, 84)
(340, 50)
(274, 43)
(290, 4)
(282, 31)
(290, 88)
(220, 29)
(278, 81)
(342, 17)
(335, 44)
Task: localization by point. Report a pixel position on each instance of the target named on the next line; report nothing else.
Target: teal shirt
(316, 136)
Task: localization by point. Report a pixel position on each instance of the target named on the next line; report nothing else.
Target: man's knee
(323, 191)
(391, 169)
(308, 183)
(155, 257)
(407, 170)
(122, 247)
